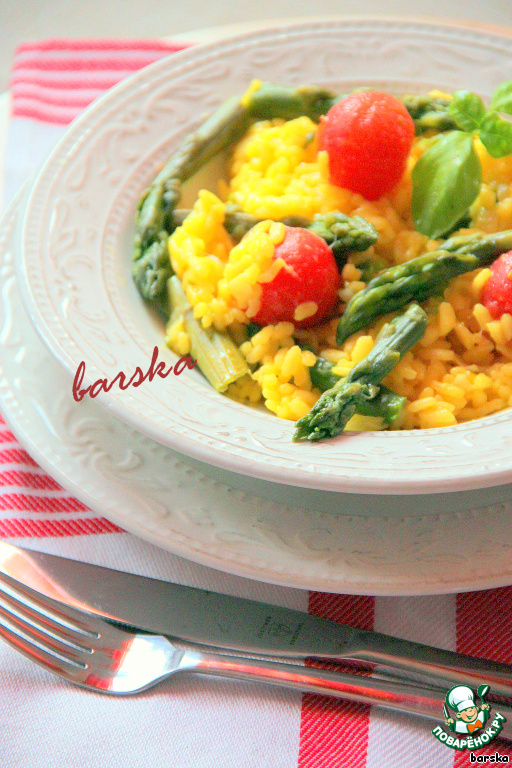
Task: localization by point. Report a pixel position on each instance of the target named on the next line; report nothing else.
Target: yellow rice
(460, 370)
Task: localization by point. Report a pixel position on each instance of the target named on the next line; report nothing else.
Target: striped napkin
(189, 722)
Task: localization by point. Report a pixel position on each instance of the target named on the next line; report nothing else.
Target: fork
(109, 658)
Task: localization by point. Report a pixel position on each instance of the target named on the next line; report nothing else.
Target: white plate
(330, 542)
(77, 242)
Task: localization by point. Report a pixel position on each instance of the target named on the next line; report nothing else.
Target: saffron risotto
(459, 371)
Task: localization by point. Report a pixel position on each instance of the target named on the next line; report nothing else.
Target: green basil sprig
(447, 178)
(469, 112)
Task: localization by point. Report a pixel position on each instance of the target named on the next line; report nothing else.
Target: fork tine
(15, 621)
(39, 652)
(45, 631)
(53, 633)
(64, 619)
(94, 666)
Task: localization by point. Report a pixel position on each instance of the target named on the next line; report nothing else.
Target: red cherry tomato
(368, 137)
(497, 292)
(311, 274)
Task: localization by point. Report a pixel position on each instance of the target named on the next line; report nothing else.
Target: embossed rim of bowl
(71, 280)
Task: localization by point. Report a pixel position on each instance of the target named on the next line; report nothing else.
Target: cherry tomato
(497, 292)
(310, 275)
(368, 137)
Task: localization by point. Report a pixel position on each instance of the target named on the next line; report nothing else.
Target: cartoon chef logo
(469, 717)
(465, 717)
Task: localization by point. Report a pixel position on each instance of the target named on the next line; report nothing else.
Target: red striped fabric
(15, 455)
(484, 628)
(25, 489)
(24, 502)
(100, 81)
(54, 80)
(106, 44)
(16, 528)
(29, 480)
(44, 114)
(90, 63)
(35, 92)
(5, 434)
(335, 733)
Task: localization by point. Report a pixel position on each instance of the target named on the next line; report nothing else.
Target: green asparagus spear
(344, 234)
(218, 357)
(152, 271)
(429, 113)
(332, 412)
(386, 404)
(321, 373)
(336, 406)
(271, 101)
(237, 222)
(420, 278)
(224, 127)
(486, 248)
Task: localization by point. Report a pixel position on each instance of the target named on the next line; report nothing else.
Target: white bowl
(77, 242)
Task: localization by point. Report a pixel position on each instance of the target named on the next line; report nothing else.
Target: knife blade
(195, 615)
(208, 618)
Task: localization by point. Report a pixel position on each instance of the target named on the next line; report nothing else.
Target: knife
(237, 624)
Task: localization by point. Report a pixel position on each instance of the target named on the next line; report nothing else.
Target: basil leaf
(467, 109)
(446, 180)
(502, 98)
(496, 135)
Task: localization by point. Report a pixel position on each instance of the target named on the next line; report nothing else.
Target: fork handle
(412, 699)
(441, 666)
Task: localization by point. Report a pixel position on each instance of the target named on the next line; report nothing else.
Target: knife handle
(401, 697)
(440, 665)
